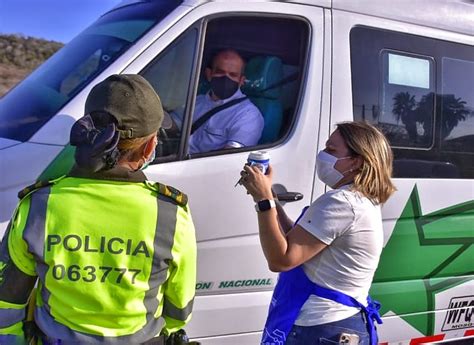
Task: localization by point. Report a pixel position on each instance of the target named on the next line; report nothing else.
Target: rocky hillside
(20, 55)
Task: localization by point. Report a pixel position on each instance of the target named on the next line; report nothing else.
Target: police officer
(115, 254)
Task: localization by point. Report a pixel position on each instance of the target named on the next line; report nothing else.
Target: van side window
(457, 105)
(418, 91)
(406, 109)
(274, 50)
(170, 75)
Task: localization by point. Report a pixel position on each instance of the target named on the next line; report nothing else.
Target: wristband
(265, 205)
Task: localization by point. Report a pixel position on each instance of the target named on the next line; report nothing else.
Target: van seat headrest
(263, 73)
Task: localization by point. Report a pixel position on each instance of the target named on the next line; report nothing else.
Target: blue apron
(292, 291)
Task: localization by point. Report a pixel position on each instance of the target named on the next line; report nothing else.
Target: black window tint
(418, 91)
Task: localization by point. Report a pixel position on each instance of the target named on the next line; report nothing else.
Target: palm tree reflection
(417, 117)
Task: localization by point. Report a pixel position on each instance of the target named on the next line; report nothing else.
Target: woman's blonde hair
(132, 149)
(367, 142)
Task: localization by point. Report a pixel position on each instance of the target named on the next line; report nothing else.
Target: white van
(405, 66)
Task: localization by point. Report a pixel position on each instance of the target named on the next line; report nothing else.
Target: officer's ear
(150, 146)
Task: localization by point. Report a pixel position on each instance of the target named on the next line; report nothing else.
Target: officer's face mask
(223, 87)
(149, 160)
(327, 173)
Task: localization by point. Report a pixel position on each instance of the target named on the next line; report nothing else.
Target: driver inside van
(224, 117)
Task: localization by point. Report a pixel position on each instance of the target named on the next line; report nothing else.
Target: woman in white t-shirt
(328, 258)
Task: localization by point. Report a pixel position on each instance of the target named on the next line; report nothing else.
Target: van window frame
(202, 25)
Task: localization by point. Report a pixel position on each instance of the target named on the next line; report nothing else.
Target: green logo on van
(425, 255)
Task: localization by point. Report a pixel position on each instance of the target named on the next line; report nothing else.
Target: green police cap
(131, 100)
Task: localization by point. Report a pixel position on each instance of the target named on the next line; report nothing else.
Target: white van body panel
(319, 3)
(232, 339)
(325, 104)
(6, 143)
(449, 15)
(21, 166)
(213, 314)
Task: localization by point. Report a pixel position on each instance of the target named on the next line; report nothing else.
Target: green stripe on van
(60, 165)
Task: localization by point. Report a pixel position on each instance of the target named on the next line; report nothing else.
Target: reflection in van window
(68, 71)
(418, 91)
(406, 114)
(457, 105)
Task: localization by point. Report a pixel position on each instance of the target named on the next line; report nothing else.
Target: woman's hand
(257, 184)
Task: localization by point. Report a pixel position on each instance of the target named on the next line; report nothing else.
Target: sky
(55, 20)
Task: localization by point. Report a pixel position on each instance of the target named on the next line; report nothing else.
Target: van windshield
(28, 106)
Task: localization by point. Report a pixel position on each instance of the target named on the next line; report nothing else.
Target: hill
(20, 55)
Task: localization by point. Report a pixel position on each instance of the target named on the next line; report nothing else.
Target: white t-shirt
(351, 226)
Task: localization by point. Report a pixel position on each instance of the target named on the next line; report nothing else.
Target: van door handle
(290, 196)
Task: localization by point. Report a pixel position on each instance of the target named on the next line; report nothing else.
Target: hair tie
(96, 149)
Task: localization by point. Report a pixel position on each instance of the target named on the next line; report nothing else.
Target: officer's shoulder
(37, 186)
(169, 192)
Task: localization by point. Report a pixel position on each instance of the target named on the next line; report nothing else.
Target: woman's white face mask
(327, 173)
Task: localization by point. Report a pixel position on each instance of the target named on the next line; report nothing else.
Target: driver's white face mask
(327, 173)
